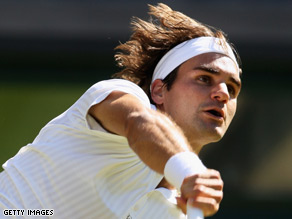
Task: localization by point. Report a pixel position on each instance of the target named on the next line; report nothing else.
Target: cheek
(170, 103)
(176, 104)
(182, 98)
(232, 109)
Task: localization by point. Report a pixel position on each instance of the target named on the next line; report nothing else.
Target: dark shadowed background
(51, 51)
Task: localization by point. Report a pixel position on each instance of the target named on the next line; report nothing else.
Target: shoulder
(116, 83)
(106, 87)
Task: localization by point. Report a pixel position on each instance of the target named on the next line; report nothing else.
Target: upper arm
(113, 112)
(152, 135)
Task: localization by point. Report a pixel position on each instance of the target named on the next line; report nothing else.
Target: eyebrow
(217, 72)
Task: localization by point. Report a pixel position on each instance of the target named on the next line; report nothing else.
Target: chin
(215, 135)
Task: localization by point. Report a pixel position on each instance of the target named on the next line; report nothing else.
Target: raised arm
(151, 134)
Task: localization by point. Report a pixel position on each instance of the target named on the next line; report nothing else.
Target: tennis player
(127, 148)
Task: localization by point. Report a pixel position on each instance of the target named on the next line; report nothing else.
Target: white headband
(188, 49)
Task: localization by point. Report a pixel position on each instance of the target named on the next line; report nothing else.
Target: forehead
(216, 61)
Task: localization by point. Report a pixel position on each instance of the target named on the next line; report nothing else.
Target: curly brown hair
(152, 39)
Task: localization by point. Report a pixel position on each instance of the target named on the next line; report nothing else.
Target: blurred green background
(52, 51)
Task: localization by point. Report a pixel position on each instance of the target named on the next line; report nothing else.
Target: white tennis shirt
(77, 168)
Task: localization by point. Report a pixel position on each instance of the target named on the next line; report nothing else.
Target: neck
(196, 147)
(196, 141)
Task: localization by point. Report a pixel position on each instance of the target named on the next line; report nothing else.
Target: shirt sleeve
(102, 89)
(78, 116)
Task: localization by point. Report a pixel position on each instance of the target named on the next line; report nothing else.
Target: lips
(216, 113)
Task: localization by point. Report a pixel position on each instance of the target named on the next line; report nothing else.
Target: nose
(220, 93)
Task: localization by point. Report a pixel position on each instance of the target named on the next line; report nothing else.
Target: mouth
(216, 113)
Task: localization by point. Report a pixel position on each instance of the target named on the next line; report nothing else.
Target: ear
(157, 88)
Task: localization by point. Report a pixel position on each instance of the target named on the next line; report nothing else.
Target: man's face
(203, 97)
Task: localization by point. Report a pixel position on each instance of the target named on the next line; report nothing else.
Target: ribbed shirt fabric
(77, 168)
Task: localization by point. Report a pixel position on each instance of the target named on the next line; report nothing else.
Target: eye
(205, 79)
(231, 90)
